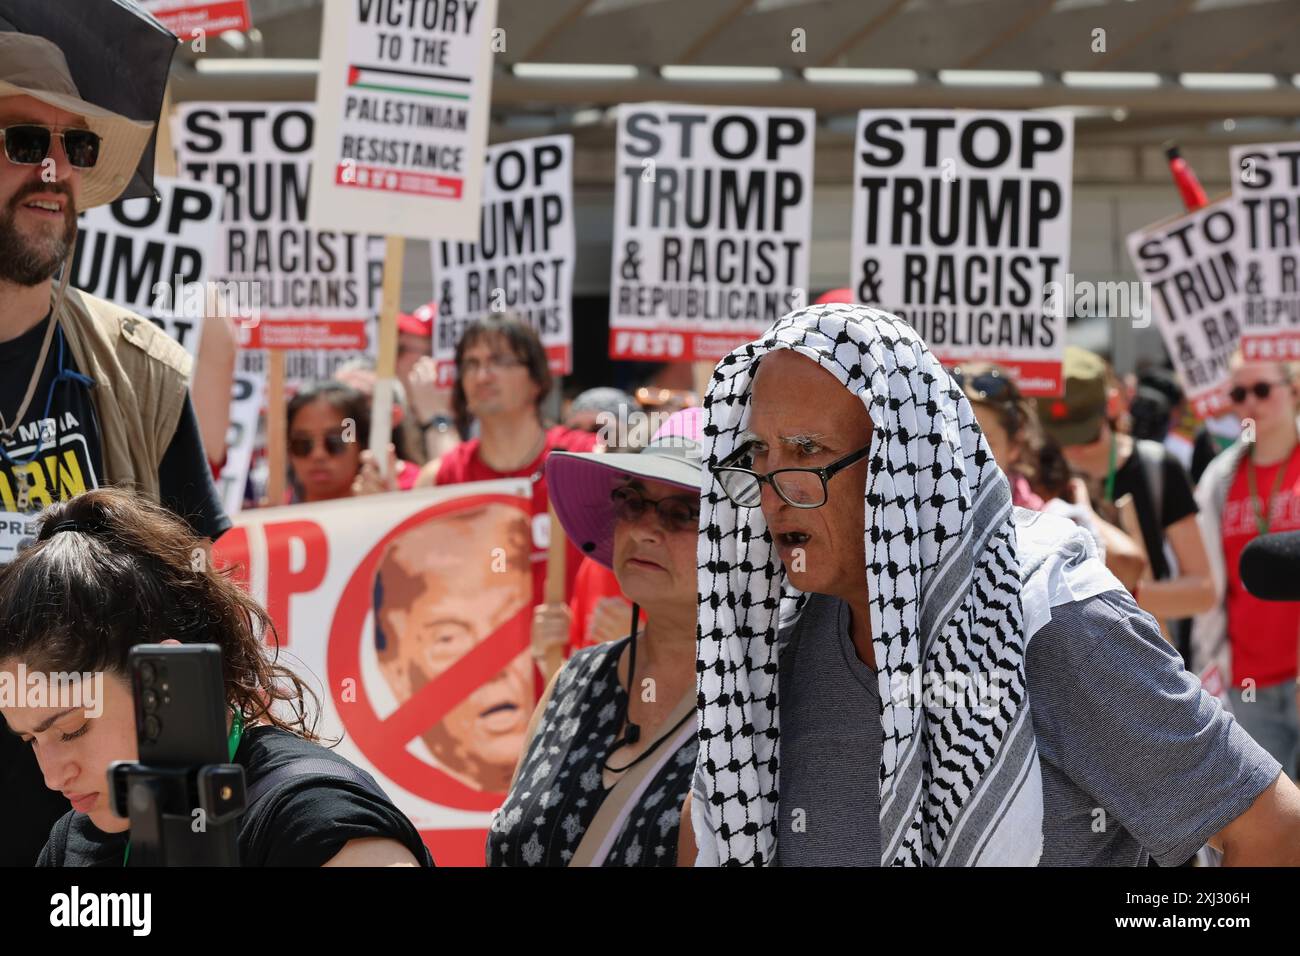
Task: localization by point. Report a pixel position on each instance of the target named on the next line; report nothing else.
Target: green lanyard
(1262, 515)
(1110, 472)
(236, 734)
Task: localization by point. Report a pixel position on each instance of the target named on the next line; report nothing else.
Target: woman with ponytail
(110, 570)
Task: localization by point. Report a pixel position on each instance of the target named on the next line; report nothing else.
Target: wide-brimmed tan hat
(33, 66)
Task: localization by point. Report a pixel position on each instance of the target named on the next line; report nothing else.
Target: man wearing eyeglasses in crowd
(898, 668)
(90, 394)
(502, 379)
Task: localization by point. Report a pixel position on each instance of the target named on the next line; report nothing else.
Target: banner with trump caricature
(408, 615)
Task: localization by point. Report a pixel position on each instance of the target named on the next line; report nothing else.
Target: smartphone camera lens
(150, 700)
(152, 727)
(147, 674)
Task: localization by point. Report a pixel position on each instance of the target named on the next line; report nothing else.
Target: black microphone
(1270, 566)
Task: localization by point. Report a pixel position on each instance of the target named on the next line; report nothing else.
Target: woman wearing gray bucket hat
(612, 743)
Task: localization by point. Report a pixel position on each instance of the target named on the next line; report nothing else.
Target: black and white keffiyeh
(958, 785)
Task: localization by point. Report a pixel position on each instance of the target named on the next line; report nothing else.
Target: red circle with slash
(384, 740)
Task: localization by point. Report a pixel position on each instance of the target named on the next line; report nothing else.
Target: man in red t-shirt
(502, 378)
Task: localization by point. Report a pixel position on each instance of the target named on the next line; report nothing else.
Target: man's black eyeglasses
(677, 513)
(797, 487)
(29, 145)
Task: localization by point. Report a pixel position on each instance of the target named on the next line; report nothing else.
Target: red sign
(399, 181)
(211, 17)
(305, 334)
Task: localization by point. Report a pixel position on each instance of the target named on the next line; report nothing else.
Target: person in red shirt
(599, 611)
(1253, 488)
(502, 378)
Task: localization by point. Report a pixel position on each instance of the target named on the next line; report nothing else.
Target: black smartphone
(180, 724)
(180, 704)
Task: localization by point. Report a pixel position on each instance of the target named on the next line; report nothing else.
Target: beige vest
(141, 379)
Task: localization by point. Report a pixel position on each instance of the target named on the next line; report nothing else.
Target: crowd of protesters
(1116, 460)
(1118, 507)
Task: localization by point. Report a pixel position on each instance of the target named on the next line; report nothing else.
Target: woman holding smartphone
(110, 570)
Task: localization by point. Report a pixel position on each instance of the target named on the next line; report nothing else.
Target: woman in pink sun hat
(611, 746)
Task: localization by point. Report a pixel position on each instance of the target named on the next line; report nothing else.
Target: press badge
(17, 531)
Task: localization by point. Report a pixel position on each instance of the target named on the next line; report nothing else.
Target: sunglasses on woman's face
(987, 386)
(1261, 390)
(29, 145)
(300, 446)
(677, 513)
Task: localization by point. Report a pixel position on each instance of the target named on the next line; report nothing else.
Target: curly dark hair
(121, 571)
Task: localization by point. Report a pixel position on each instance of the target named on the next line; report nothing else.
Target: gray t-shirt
(1136, 759)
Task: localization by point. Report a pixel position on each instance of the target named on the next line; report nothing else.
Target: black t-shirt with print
(1178, 502)
(63, 416)
(304, 820)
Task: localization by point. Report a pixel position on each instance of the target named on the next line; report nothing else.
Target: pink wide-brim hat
(580, 484)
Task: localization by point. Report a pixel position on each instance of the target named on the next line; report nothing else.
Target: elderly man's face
(802, 417)
(34, 238)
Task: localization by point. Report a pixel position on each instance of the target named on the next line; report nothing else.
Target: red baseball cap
(419, 322)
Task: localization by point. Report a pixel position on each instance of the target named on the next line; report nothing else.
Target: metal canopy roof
(1048, 41)
(1163, 36)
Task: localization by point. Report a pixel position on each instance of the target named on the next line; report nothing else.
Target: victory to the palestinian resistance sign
(1266, 185)
(712, 226)
(408, 614)
(1196, 296)
(522, 262)
(403, 98)
(309, 286)
(961, 224)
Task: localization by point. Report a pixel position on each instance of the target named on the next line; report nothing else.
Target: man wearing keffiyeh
(898, 668)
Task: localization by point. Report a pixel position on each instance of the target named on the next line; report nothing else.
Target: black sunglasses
(1261, 390)
(797, 487)
(677, 513)
(302, 446)
(29, 145)
(985, 387)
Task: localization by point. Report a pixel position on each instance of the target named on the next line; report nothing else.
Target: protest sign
(712, 226)
(1266, 186)
(154, 258)
(961, 220)
(409, 615)
(522, 261)
(403, 99)
(311, 284)
(184, 17)
(248, 392)
(1195, 296)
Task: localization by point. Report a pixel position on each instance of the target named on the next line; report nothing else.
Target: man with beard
(90, 393)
